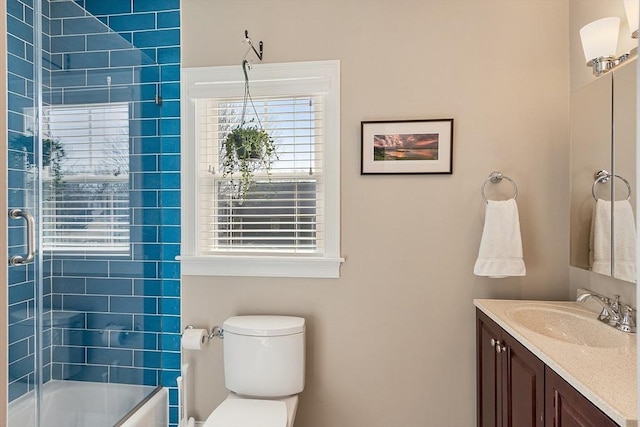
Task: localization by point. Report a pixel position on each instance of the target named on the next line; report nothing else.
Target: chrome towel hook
(495, 177)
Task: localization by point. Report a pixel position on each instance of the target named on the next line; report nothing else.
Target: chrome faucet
(615, 314)
(610, 312)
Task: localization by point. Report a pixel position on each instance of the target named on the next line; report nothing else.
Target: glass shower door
(85, 281)
(25, 284)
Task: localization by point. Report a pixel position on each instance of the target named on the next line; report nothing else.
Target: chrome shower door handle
(31, 237)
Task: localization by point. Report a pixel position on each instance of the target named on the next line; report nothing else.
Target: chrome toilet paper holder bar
(216, 332)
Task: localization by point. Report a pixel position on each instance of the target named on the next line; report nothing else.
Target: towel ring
(603, 176)
(494, 178)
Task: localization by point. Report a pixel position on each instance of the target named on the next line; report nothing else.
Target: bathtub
(82, 404)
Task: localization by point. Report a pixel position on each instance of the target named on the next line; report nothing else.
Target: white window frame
(299, 78)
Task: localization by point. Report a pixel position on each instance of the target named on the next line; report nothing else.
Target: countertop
(605, 376)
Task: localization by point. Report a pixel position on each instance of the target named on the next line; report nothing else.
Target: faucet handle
(604, 315)
(616, 304)
(628, 323)
(606, 312)
(616, 309)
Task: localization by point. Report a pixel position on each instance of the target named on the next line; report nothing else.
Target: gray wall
(392, 341)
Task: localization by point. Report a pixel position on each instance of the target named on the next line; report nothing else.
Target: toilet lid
(248, 413)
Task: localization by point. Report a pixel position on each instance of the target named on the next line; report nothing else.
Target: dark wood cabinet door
(566, 407)
(522, 385)
(488, 372)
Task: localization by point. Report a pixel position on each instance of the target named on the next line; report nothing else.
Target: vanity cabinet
(568, 408)
(516, 389)
(510, 379)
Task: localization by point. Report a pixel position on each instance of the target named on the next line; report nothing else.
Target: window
(280, 212)
(288, 222)
(86, 178)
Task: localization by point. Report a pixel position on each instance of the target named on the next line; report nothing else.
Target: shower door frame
(4, 270)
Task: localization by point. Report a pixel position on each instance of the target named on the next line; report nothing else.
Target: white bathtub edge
(154, 413)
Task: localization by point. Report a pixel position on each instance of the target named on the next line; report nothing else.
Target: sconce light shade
(600, 38)
(632, 9)
(600, 42)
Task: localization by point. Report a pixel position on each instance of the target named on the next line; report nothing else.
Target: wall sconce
(599, 42)
(632, 10)
(600, 39)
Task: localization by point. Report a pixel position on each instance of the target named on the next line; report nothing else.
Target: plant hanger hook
(246, 66)
(247, 39)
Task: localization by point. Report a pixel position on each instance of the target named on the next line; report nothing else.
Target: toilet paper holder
(216, 332)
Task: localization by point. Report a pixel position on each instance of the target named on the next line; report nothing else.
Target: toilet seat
(248, 413)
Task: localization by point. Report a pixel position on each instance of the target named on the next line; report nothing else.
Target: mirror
(603, 134)
(624, 165)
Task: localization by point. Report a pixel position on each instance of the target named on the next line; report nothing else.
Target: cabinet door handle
(500, 348)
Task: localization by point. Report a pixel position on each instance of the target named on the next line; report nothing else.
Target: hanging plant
(247, 148)
(52, 156)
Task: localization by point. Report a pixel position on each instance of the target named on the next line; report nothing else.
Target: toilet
(264, 364)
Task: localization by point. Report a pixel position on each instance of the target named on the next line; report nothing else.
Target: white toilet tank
(264, 356)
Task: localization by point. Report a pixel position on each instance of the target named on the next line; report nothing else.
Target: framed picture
(407, 147)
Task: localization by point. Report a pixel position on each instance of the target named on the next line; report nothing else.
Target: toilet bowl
(264, 363)
(239, 411)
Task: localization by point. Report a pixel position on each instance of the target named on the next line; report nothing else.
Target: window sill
(249, 266)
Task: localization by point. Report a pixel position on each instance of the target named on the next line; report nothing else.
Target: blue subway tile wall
(137, 336)
(109, 318)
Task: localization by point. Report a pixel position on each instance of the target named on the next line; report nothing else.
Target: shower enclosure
(93, 198)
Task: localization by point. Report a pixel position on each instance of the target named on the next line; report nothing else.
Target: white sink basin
(568, 325)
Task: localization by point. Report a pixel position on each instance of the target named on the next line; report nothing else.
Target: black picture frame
(395, 147)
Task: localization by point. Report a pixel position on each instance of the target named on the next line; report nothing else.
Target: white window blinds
(86, 178)
(282, 213)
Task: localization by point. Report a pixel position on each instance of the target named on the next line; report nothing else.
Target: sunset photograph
(405, 147)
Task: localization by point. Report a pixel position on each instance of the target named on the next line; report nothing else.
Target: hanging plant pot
(245, 150)
(248, 143)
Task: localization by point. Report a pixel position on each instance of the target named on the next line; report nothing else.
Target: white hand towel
(624, 240)
(600, 238)
(500, 253)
